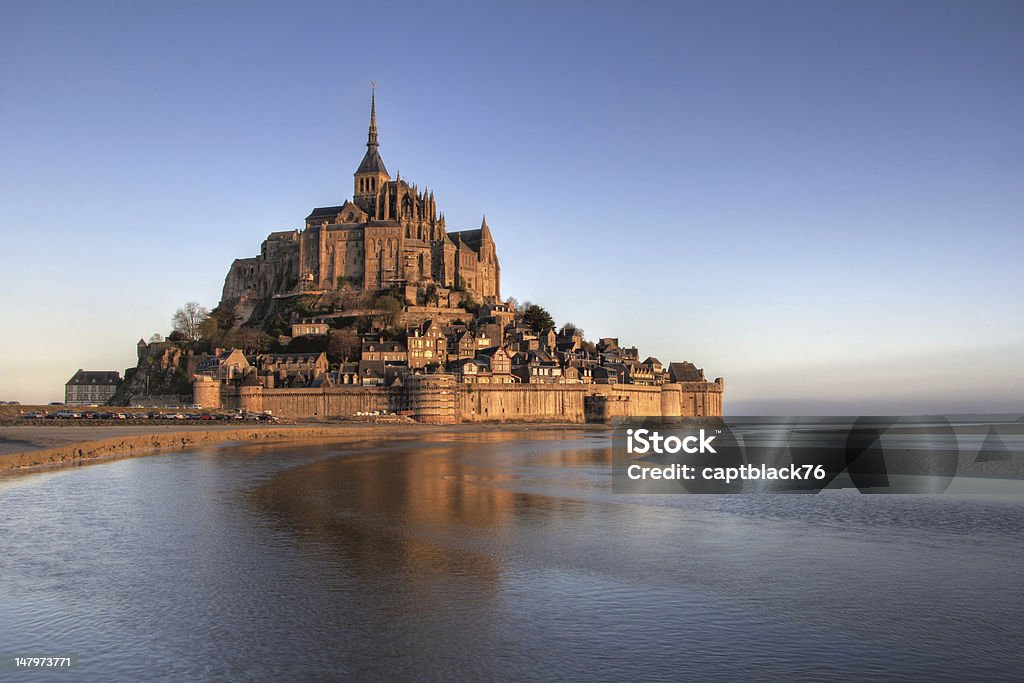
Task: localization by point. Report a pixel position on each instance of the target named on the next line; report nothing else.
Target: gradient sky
(821, 201)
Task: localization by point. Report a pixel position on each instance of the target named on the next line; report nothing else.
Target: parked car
(33, 416)
(66, 414)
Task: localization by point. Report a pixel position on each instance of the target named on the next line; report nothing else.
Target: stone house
(88, 387)
(224, 364)
(385, 351)
(427, 345)
(289, 365)
(308, 328)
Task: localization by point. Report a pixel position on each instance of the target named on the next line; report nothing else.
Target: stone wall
(307, 403)
(416, 315)
(523, 402)
(440, 399)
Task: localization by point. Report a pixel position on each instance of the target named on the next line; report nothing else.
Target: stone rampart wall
(439, 399)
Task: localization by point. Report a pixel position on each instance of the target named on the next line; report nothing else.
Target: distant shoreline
(35, 448)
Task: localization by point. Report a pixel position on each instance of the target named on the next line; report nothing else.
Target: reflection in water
(495, 555)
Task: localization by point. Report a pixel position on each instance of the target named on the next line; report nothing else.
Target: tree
(431, 296)
(156, 338)
(390, 307)
(251, 340)
(189, 319)
(218, 324)
(469, 305)
(343, 345)
(537, 318)
(572, 330)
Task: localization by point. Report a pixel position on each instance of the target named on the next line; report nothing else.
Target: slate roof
(387, 346)
(108, 377)
(372, 163)
(325, 212)
(283, 360)
(685, 372)
(471, 238)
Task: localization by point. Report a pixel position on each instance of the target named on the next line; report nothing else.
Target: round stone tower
(671, 400)
(206, 392)
(433, 398)
(250, 395)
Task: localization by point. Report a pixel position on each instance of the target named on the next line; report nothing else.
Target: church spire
(371, 174)
(371, 139)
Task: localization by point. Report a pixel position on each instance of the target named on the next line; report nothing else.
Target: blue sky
(821, 201)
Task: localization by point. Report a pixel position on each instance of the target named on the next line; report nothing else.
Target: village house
(91, 387)
(308, 328)
(427, 345)
(224, 364)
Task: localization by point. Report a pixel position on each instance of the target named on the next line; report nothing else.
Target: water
(492, 556)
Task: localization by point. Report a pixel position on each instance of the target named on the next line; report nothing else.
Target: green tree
(537, 318)
(431, 296)
(304, 305)
(469, 305)
(218, 324)
(277, 326)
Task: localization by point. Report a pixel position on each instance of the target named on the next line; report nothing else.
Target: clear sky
(821, 201)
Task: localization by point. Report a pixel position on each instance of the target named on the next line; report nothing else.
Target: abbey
(389, 235)
(372, 306)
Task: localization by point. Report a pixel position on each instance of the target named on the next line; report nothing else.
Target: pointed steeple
(372, 167)
(371, 138)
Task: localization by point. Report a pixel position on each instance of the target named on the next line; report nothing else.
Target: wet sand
(30, 447)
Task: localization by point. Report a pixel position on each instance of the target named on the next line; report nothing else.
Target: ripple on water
(485, 558)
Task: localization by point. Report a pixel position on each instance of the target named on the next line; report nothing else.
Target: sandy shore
(30, 447)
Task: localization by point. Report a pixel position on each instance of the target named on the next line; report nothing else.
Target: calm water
(487, 557)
